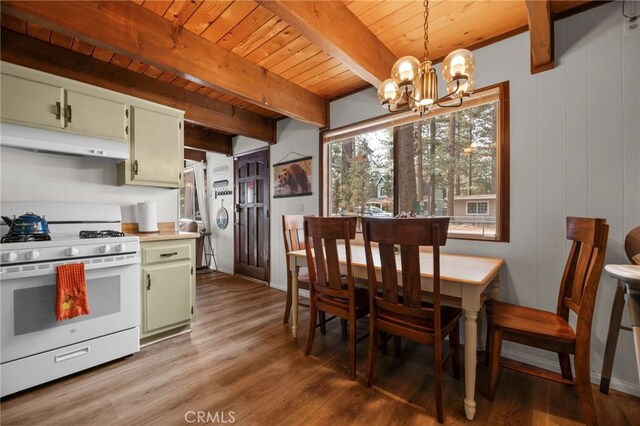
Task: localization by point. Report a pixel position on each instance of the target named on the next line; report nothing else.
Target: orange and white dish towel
(72, 299)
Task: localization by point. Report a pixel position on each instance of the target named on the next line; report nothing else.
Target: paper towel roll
(147, 217)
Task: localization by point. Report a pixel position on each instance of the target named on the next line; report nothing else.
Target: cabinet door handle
(58, 110)
(126, 130)
(148, 281)
(68, 113)
(135, 167)
(169, 254)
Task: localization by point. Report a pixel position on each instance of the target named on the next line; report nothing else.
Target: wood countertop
(166, 231)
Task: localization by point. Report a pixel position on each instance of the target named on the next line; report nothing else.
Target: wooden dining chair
(632, 249)
(293, 235)
(399, 309)
(551, 331)
(328, 289)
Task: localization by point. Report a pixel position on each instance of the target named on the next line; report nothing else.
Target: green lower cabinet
(168, 287)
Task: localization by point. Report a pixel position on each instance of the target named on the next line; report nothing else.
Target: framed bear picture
(292, 178)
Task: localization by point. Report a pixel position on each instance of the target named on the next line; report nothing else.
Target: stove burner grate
(100, 234)
(25, 238)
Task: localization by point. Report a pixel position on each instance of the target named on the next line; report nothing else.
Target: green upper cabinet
(154, 133)
(36, 99)
(31, 103)
(90, 114)
(156, 148)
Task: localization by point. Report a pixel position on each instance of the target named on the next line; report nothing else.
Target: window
(451, 162)
(477, 207)
(189, 205)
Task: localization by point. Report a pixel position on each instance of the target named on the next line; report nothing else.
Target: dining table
(465, 282)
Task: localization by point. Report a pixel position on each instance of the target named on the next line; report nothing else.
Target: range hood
(52, 142)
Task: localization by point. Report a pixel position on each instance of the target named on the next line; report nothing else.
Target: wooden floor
(240, 363)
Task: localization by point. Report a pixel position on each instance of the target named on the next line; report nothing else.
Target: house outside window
(450, 162)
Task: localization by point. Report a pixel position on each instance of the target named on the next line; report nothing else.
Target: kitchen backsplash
(29, 176)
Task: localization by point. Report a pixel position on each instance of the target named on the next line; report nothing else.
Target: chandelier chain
(426, 29)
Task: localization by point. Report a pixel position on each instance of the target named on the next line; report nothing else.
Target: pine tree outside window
(451, 162)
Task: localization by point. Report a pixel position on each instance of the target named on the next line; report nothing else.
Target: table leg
(294, 304)
(470, 341)
(612, 338)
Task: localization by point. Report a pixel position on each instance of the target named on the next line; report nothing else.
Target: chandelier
(416, 83)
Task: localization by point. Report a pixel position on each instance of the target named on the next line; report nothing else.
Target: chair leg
(323, 323)
(352, 347)
(583, 380)
(454, 344)
(397, 345)
(487, 344)
(494, 360)
(313, 314)
(374, 337)
(343, 326)
(565, 366)
(287, 307)
(437, 356)
(612, 338)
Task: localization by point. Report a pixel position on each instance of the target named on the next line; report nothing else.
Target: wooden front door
(252, 215)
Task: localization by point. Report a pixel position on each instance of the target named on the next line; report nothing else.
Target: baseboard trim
(617, 384)
(283, 287)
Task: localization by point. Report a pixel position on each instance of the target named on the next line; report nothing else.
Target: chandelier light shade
(458, 72)
(415, 82)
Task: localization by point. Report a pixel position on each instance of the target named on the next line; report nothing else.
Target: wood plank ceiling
(258, 37)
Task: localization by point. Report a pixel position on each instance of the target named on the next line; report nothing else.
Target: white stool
(628, 277)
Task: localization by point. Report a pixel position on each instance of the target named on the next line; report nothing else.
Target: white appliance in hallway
(35, 348)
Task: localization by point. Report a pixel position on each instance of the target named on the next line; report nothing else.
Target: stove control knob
(10, 257)
(71, 251)
(33, 254)
(105, 248)
(120, 248)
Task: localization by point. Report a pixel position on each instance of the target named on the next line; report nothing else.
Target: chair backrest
(409, 234)
(323, 235)
(582, 271)
(292, 233)
(632, 245)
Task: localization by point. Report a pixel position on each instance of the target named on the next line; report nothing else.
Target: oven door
(28, 301)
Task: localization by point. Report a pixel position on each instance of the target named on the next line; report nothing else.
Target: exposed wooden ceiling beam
(541, 35)
(29, 52)
(133, 31)
(203, 140)
(194, 154)
(331, 26)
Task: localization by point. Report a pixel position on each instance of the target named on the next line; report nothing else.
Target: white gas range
(35, 348)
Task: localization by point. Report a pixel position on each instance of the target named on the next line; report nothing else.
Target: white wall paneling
(221, 239)
(29, 176)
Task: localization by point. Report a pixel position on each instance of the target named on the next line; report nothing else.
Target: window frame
(395, 119)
